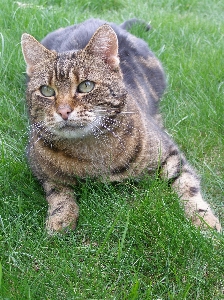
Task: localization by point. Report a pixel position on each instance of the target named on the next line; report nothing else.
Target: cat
(92, 93)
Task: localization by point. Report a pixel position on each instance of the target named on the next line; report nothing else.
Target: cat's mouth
(75, 129)
(71, 125)
(68, 126)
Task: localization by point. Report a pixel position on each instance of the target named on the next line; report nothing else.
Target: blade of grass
(121, 243)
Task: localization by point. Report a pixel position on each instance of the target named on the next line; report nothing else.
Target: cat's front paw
(62, 217)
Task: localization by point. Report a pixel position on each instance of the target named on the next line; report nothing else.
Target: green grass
(132, 240)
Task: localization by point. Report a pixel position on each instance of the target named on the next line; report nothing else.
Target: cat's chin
(73, 132)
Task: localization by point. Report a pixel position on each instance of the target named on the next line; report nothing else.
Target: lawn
(132, 240)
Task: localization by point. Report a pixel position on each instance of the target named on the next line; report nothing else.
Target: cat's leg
(62, 209)
(186, 183)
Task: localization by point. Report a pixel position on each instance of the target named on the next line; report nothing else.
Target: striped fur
(113, 131)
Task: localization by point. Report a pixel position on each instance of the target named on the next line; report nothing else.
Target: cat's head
(77, 93)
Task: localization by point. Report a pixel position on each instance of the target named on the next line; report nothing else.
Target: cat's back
(77, 36)
(143, 74)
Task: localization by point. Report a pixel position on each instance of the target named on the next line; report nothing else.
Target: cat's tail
(127, 25)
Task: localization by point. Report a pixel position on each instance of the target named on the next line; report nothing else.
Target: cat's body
(94, 113)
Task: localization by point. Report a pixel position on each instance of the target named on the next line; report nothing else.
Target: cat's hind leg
(186, 183)
(62, 209)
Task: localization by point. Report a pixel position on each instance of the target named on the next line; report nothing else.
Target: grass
(132, 240)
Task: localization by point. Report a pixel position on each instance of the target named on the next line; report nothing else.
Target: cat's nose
(64, 111)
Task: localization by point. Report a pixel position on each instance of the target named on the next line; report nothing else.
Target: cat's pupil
(86, 86)
(47, 91)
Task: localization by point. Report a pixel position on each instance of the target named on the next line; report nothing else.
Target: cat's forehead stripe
(65, 62)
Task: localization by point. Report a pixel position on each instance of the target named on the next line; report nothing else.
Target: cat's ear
(104, 44)
(34, 53)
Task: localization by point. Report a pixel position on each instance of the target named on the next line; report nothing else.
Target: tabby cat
(93, 91)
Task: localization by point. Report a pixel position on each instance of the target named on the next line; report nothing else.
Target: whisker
(110, 129)
(99, 110)
(39, 138)
(114, 111)
(97, 128)
(41, 130)
(127, 112)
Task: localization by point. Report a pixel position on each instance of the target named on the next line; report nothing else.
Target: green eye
(47, 91)
(86, 86)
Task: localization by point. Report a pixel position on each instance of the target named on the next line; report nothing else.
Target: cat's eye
(86, 86)
(47, 91)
